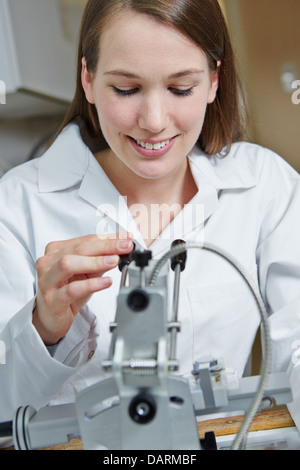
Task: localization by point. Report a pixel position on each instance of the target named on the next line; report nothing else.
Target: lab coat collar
(65, 162)
(226, 171)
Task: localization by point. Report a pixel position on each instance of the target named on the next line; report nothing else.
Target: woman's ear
(214, 83)
(87, 82)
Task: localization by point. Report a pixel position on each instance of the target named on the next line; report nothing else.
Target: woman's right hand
(69, 273)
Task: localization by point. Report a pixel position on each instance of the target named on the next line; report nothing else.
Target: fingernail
(124, 244)
(106, 282)
(111, 260)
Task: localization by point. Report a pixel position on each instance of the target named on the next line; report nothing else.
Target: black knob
(142, 258)
(126, 259)
(138, 300)
(142, 409)
(178, 259)
(6, 429)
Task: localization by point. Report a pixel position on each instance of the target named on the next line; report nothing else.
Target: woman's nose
(153, 114)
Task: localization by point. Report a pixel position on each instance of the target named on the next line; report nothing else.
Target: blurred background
(38, 41)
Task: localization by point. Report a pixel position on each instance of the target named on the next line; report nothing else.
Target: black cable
(6, 429)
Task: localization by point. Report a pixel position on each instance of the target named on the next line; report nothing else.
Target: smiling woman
(225, 120)
(150, 152)
(138, 93)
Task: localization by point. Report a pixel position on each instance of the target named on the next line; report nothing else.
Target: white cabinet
(38, 48)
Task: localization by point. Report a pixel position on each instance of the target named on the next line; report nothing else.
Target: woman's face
(151, 89)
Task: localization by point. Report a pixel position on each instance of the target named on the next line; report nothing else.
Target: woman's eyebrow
(182, 73)
(185, 73)
(121, 73)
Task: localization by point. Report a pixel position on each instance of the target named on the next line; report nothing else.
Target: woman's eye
(133, 91)
(127, 92)
(179, 92)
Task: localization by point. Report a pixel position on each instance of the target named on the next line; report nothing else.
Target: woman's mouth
(152, 148)
(149, 146)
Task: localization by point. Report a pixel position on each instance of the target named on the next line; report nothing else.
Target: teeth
(149, 146)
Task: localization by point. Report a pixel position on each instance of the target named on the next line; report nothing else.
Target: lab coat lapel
(189, 224)
(98, 190)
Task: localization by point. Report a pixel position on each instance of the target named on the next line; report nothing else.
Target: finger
(55, 246)
(53, 311)
(58, 265)
(76, 290)
(100, 247)
(90, 245)
(72, 265)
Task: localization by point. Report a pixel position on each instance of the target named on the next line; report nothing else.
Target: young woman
(151, 150)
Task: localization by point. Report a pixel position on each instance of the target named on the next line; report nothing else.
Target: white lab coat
(247, 203)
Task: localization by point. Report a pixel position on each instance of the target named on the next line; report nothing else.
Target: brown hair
(200, 20)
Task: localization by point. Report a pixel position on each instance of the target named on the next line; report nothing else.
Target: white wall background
(38, 49)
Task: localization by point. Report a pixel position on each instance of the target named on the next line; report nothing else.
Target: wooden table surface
(276, 418)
